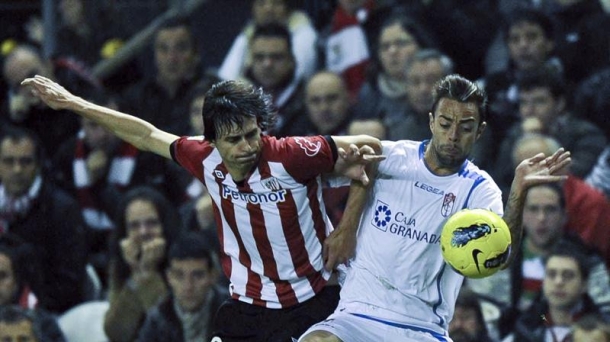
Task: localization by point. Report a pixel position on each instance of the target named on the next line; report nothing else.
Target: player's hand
(353, 162)
(51, 93)
(541, 169)
(339, 248)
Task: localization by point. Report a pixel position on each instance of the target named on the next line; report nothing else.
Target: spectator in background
(529, 38)
(588, 211)
(543, 108)
(518, 287)
(346, 48)
(146, 226)
(468, 324)
(564, 299)
(372, 127)
(162, 98)
(24, 110)
(188, 312)
(274, 69)
(33, 208)
(591, 328)
(264, 12)
(327, 105)
(19, 324)
(17, 272)
(384, 92)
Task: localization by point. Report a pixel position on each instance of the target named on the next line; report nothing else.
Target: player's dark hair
(458, 88)
(230, 103)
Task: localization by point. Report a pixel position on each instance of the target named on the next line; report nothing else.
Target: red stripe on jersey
(254, 284)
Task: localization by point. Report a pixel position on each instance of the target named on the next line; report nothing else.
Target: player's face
(528, 46)
(563, 284)
(543, 217)
(396, 46)
(272, 61)
(8, 283)
(190, 281)
(421, 77)
(20, 331)
(455, 128)
(18, 165)
(175, 55)
(142, 221)
(327, 102)
(240, 148)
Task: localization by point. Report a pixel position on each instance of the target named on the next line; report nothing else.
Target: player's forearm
(127, 127)
(513, 216)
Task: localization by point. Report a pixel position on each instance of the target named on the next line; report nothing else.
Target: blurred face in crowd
(455, 128)
(272, 61)
(195, 114)
(563, 284)
(464, 326)
(372, 127)
(539, 103)
(421, 77)
(175, 55)
(190, 281)
(351, 6)
(72, 12)
(543, 217)
(19, 65)
(529, 48)
(593, 335)
(269, 12)
(142, 221)
(97, 137)
(8, 282)
(396, 46)
(20, 331)
(18, 165)
(327, 102)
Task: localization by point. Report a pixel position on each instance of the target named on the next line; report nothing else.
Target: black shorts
(239, 321)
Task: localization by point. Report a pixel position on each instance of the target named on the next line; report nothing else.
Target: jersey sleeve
(305, 157)
(189, 152)
(488, 196)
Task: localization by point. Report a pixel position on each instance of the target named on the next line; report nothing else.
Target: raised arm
(355, 153)
(533, 171)
(135, 131)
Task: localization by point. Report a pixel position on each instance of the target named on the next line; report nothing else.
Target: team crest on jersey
(382, 217)
(310, 147)
(219, 174)
(448, 203)
(272, 184)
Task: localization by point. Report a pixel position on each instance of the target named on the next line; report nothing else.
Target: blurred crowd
(86, 217)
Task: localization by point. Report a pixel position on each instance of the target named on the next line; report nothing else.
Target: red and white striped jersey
(272, 225)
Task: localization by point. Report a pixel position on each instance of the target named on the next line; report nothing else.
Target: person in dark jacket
(187, 313)
(45, 217)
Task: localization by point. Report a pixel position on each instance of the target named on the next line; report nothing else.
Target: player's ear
(481, 129)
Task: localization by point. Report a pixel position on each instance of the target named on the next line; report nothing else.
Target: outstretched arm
(135, 131)
(533, 171)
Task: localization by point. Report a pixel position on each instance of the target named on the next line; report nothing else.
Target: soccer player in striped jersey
(398, 287)
(267, 196)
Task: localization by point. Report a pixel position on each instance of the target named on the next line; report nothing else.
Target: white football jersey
(398, 273)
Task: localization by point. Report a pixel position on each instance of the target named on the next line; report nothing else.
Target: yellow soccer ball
(475, 242)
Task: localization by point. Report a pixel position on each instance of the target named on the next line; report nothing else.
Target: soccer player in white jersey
(268, 206)
(398, 287)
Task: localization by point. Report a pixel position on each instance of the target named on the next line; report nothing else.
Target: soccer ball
(475, 242)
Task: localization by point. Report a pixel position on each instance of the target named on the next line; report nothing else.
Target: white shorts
(355, 327)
